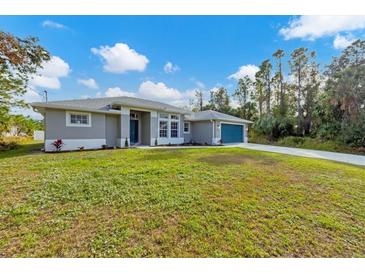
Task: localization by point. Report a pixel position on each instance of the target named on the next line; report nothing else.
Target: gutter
(39, 106)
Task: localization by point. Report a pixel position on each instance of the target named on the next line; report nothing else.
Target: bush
(353, 134)
(274, 128)
(58, 144)
(292, 141)
(5, 145)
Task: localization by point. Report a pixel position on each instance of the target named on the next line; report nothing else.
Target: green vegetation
(214, 202)
(15, 146)
(324, 104)
(308, 143)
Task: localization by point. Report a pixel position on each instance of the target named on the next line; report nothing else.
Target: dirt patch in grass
(237, 159)
(162, 155)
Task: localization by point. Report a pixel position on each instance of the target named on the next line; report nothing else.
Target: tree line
(301, 100)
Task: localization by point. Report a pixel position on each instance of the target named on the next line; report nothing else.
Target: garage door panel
(232, 133)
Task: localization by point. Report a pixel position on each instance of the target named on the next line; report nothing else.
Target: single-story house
(117, 121)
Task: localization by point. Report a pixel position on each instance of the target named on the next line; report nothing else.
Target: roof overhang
(221, 120)
(40, 107)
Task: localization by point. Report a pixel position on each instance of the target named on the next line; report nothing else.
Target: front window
(163, 129)
(174, 117)
(78, 119)
(186, 127)
(174, 129)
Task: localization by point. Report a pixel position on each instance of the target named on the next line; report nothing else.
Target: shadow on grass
(21, 150)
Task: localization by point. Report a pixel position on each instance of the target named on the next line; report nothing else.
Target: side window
(186, 127)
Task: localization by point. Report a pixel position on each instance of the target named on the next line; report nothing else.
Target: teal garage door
(232, 133)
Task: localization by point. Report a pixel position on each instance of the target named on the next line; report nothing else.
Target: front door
(134, 131)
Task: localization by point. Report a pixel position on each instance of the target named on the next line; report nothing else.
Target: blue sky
(167, 57)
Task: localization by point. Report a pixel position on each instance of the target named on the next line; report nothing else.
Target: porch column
(154, 127)
(245, 132)
(124, 126)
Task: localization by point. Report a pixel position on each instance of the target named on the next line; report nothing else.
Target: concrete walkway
(311, 153)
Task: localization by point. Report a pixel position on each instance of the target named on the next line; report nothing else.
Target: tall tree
(345, 89)
(259, 94)
(311, 92)
(219, 100)
(19, 59)
(298, 65)
(199, 99)
(279, 54)
(243, 94)
(265, 70)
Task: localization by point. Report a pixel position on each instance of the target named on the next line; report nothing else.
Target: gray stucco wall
(202, 131)
(187, 136)
(181, 130)
(154, 127)
(55, 122)
(125, 123)
(146, 128)
(112, 129)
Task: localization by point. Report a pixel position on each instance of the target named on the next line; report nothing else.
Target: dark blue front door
(134, 131)
(232, 133)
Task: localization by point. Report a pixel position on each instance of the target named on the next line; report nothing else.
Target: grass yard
(215, 202)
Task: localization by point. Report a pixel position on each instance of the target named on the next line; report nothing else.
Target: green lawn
(214, 202)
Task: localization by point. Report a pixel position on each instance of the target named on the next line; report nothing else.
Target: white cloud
(32, 95)
(247, 70)
(311, 27)
(341, 42)
(116, 91)
(170, 67)
(158, 91)
(120, 58)
(48, 76)
(46, 82)
(53, 25)
(90, 83)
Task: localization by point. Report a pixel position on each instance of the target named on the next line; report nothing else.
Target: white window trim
(169, 120)
(68, 119)
(159, 129)
(187, 132)
(177, 128)
(178, 125)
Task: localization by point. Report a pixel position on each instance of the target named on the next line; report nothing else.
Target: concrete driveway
(311, 153)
